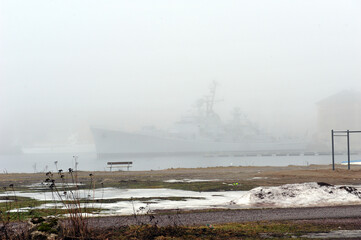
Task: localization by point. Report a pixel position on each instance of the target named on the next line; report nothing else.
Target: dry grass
(265, 175)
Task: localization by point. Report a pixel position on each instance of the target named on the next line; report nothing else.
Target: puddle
(258, 178)
(192, 200)
(128, 201)
(342, 234)
(189, 180)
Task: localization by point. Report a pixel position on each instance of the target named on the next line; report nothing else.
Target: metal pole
(348, 149)
(333, 151)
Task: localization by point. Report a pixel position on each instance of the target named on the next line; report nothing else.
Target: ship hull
(112, 143)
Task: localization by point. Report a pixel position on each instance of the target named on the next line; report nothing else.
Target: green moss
(14, 203)
(49, 225)
(46, 227)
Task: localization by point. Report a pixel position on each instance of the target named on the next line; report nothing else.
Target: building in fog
(340, 111)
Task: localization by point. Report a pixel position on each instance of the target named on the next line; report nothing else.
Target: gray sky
(66, 65)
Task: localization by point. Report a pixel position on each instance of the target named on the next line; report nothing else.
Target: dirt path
(232, 216)
(349, 216)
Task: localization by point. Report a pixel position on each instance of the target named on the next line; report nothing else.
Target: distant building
(341, 111)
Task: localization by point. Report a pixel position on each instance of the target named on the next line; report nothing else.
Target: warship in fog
(200, 133)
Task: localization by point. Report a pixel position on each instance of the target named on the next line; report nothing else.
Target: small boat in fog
(352, 162)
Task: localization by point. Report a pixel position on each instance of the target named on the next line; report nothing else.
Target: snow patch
(255, 178)
(301, 195)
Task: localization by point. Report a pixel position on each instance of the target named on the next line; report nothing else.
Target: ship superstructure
(201, 132)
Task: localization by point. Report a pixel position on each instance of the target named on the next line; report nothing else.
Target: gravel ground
(232, 216)
(349, 216)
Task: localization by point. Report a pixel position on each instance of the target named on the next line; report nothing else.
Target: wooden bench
(119, 165)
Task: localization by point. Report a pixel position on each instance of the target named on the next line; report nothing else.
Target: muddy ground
(250, 176)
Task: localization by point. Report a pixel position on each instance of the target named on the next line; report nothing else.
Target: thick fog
(69, 65)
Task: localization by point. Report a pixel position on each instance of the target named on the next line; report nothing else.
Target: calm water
(89, 161)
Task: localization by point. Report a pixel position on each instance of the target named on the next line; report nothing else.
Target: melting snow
(301, 195)
(255, 178)
(289, 195)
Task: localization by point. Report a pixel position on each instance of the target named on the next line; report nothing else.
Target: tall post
(333, 151)
(348, 148)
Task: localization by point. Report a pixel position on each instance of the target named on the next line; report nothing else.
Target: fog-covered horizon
(68, 65)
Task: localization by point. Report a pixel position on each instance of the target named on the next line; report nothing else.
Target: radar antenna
(210, 100)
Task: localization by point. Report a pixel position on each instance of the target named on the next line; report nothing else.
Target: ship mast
(210, 99)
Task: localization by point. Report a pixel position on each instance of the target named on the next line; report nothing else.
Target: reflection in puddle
(126, 201)
(342, 234)
(189, 180)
